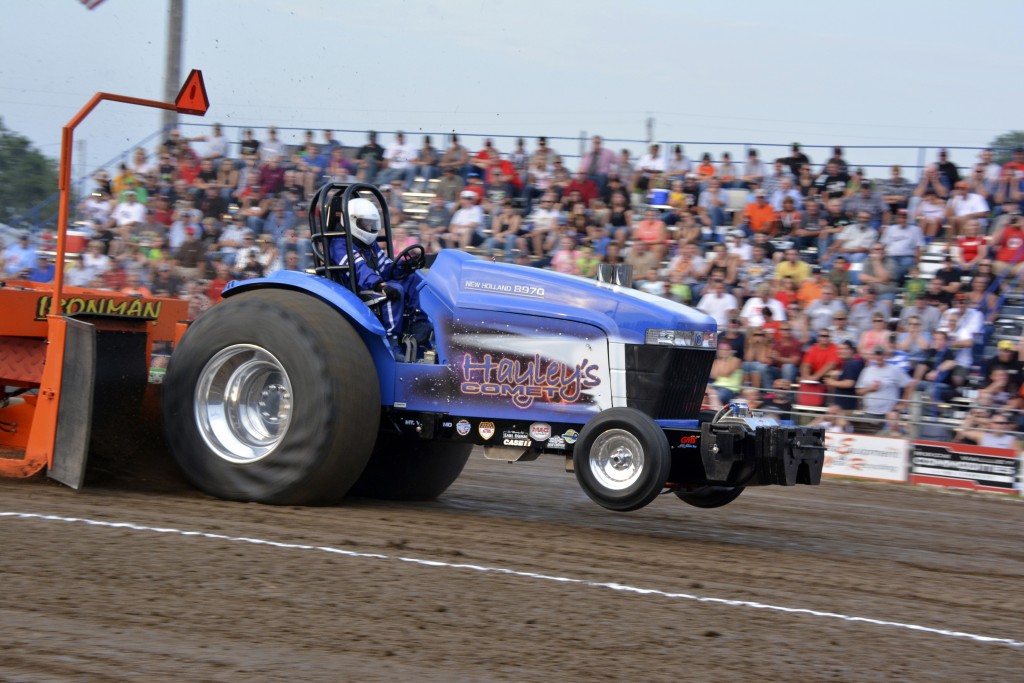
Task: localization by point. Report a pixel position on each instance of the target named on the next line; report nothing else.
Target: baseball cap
(1005, 345)
(467, 194)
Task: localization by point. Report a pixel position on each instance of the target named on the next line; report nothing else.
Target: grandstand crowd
(878, 293)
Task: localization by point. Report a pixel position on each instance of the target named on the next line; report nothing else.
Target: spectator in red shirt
(160, 212)
(475, 185)
(1008, 244)
(217, 285)
(272, 177)
(820, 358)
(585, 186)
(188, 169)
(787, 292)
(485, 159)
(973, 247)
(1015, 168)
(785, 352)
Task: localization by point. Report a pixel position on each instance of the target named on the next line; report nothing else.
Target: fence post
(915, 418)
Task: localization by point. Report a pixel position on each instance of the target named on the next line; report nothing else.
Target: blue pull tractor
(291, 392)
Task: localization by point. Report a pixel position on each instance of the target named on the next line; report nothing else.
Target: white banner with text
(866, 457)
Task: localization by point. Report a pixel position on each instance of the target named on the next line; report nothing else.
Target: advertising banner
(962, 466)
(865, 457)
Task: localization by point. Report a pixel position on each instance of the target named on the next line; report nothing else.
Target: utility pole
(172, 69)
(650, 129)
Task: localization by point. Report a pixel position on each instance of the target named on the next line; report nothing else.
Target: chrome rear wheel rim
(243, 403)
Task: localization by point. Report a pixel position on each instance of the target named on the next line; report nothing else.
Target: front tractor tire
(622, 459)
(708, 497)
(410, 468)
(271, 397)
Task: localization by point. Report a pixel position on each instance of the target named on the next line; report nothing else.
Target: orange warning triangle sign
(192, 97)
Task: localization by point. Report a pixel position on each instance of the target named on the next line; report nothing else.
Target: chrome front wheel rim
(616, 459)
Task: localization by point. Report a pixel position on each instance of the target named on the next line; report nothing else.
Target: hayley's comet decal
(525, 382)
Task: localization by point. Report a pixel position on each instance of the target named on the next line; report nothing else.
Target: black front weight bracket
(781, 455)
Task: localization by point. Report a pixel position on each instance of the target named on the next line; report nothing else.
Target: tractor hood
(468, 282)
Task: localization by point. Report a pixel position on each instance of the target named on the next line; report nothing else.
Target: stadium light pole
(172, 69)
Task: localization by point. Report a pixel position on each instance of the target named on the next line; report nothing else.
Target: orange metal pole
(66, 144)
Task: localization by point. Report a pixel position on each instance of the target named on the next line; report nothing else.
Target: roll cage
(329, 219)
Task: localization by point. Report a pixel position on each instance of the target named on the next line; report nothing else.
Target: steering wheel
(411, 259)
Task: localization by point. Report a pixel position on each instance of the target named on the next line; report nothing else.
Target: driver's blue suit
(373, 267)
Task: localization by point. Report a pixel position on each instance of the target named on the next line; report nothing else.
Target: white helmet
(364, 220)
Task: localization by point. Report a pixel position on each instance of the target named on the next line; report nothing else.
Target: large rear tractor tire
(409, 468)
(622, 459)
(271, 397)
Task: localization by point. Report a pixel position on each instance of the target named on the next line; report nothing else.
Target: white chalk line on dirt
(521, 574)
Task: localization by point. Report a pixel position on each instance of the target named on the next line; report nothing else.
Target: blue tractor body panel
(514, 342)
(463, 281)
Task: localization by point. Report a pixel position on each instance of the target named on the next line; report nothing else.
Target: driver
(374, 269)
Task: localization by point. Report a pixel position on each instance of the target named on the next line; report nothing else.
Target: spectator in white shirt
(650, 165)
(903, 243)
(964, 205)
(880, 386)
(464, 229)
(129, 213)
(752, 313)
(718, 303)
(399, 156)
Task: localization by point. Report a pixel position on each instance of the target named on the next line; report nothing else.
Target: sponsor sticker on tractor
(463, 427)
(570, 436)
(515, 438)
(556, 442)
(486, 430)
(540, 431)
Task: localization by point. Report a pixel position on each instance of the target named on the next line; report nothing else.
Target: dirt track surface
(94, 602)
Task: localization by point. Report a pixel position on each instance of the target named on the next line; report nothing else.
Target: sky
(716, 75)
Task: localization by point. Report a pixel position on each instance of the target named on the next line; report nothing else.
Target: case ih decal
(524, 382)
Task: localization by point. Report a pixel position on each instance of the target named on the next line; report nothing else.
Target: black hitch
(742, 452)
